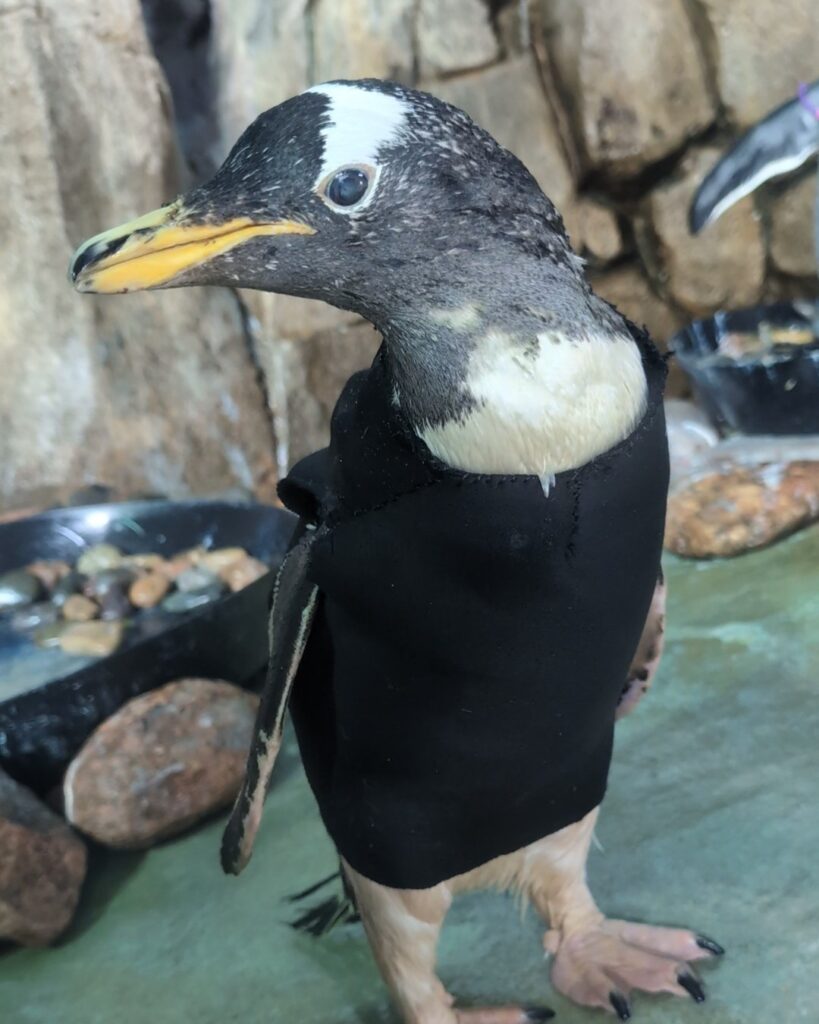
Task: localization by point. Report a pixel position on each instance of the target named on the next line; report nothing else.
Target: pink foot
(602, 964)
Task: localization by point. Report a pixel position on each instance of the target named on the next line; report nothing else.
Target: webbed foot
(602, 964)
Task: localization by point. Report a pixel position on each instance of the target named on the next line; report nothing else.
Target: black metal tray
(41, 728)
(776, 394)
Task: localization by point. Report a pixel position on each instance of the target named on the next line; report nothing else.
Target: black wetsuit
(456, 699)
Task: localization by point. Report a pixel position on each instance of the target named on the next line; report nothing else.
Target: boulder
(598, 233)
(721, 268)
(633, 76)
(162, 762)
(454, 35)
(791, 239)
(761, 51)
(318, 370)
(741, 508)
(42, 868)
(151, 392)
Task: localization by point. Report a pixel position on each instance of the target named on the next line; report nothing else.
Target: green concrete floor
(712, 821)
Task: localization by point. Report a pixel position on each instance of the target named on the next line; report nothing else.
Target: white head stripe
(361, 122)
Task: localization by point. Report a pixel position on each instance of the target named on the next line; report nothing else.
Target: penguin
(473, 594)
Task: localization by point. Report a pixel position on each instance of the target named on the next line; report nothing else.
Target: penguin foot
(602, 964)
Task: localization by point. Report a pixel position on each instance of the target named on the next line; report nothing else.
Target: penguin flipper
(291, 616)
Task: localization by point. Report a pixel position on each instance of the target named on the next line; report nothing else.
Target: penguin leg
(599, 961)
(646, 659)
(403, 926)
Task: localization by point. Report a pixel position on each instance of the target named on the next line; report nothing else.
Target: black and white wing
(780, 143)
(291, 616)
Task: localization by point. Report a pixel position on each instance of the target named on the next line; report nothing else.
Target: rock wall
(618, 109)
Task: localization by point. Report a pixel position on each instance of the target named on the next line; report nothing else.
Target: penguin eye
(347, 186)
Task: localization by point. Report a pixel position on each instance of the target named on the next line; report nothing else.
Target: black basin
(777, 393)
(42, 727)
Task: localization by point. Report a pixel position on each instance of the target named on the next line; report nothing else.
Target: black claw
(714, 948)
(620, 1004)
(537, 1014)
(692, 987)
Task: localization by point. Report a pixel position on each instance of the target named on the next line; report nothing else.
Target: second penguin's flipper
(291, 616)
(647, 656)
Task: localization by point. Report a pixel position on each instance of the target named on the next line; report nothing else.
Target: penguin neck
(527, 383)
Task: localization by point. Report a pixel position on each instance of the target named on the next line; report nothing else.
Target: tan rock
(724, 514)
(508, 101)
(79, 608)
(242, 573)
(91, 387)
(454, 35)
(42, 868)
(792, 227)
(761, 50)
(49, 571)
(628, 289)
(97, 639)
(598, 233)
(148, 590)
(363, 39)
(721, 268)
(162, 762)
(318, 370)
(634, 74)
(261, 55)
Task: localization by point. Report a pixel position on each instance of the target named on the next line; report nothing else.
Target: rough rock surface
(454, 35)
(152, 391)
(162, 762)
(745, 507)
(723, 266)
(319, 369)
(598, 231)
(42, 868)
(633, 75)
(363, 39)
(792, 224)
(761, 50)
(508, 101)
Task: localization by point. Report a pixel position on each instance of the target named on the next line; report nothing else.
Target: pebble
(49, 636)
(18, 588)
(197, 578)
(173, 567)
(149, 561)
(49, 571)
(99, 557)
(33, 616)
(95, 638)
(187, 600)
(79, 608)
(242, 573)
(115, 605)
(100, 583)
(148, 590)
(68, 585)
(220, 558)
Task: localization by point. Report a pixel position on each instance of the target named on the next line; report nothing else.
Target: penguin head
(365, 194)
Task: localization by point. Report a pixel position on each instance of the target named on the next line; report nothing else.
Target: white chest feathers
(545, 410)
